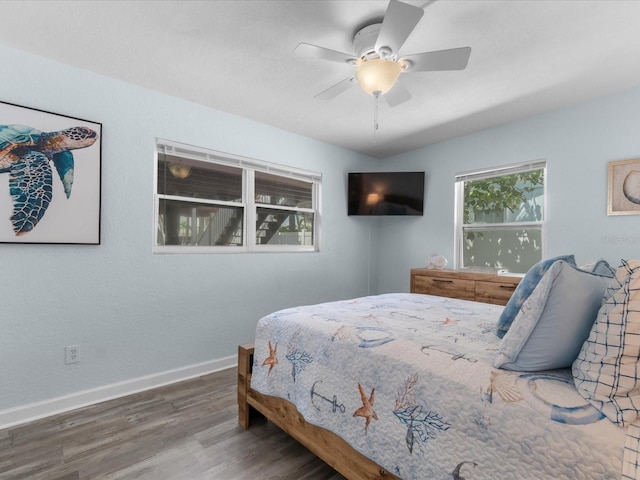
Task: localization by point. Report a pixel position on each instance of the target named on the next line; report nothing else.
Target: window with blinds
(500, 217)
(284, 205)
(208, 201)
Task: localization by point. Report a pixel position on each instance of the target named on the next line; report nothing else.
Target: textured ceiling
(237, 56)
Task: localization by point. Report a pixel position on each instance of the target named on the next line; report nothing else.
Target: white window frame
(460, 178)
(249, 166)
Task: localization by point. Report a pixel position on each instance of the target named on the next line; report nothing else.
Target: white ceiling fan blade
(398, 23)
(397, 95)
(337, 89)
(313, 51)
(451, 59)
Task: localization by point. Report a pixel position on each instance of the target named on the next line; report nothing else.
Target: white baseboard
(46, 408)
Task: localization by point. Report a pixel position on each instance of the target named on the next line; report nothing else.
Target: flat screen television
(386, 193)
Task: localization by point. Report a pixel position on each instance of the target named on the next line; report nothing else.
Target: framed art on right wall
(624, 187)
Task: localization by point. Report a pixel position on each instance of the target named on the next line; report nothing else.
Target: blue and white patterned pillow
(554, 322)
(606, 369)
(524, 289)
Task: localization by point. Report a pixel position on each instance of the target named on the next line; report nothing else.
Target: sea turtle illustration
(26, 153)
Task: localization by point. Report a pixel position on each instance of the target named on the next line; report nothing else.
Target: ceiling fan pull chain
(376, 96)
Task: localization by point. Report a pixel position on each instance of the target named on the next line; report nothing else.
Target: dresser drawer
(497, 293)
(444, 287)
(464, 284)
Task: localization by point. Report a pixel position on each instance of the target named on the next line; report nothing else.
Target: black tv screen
(386, 193)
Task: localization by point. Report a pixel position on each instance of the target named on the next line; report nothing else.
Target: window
(500, 217)
(213, 202)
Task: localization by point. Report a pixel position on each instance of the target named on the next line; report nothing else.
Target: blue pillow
(601, 267)
(524, 289)
(554, 322)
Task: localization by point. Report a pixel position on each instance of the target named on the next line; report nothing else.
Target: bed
(403, 386)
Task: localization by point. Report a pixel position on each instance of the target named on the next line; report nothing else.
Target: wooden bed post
(245, 363)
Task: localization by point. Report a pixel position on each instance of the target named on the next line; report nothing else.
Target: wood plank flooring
(185, 431)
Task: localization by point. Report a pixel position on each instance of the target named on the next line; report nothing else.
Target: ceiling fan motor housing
(364, 41)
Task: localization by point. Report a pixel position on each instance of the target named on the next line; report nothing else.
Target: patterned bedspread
(407, 380)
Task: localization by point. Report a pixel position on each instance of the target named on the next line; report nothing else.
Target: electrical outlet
(71, 354)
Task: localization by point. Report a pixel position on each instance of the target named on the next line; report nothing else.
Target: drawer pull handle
(442, 280)
(508, 287)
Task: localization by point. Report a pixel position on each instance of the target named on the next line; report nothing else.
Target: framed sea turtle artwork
(624, 187)
(50, 177)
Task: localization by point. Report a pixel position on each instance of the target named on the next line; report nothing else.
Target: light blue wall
(578, 142)
(133, 313)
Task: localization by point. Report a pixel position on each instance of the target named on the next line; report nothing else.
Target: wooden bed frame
(325, 444)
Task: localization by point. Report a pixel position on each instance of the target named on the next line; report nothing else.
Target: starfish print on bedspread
(271, 360)
(366, 410)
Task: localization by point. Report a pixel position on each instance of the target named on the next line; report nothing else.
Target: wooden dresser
(464, 284)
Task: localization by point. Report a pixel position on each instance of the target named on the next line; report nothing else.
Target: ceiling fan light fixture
(377, 76)
(405, 64)
(179, 170)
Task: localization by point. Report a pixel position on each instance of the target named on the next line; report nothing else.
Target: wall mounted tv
(386, 193)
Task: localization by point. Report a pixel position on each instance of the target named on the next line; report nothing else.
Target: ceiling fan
(377, 61)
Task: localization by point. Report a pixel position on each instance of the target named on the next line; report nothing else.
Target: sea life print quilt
(407, 380)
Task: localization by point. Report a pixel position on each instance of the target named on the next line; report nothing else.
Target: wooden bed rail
(325, 444)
